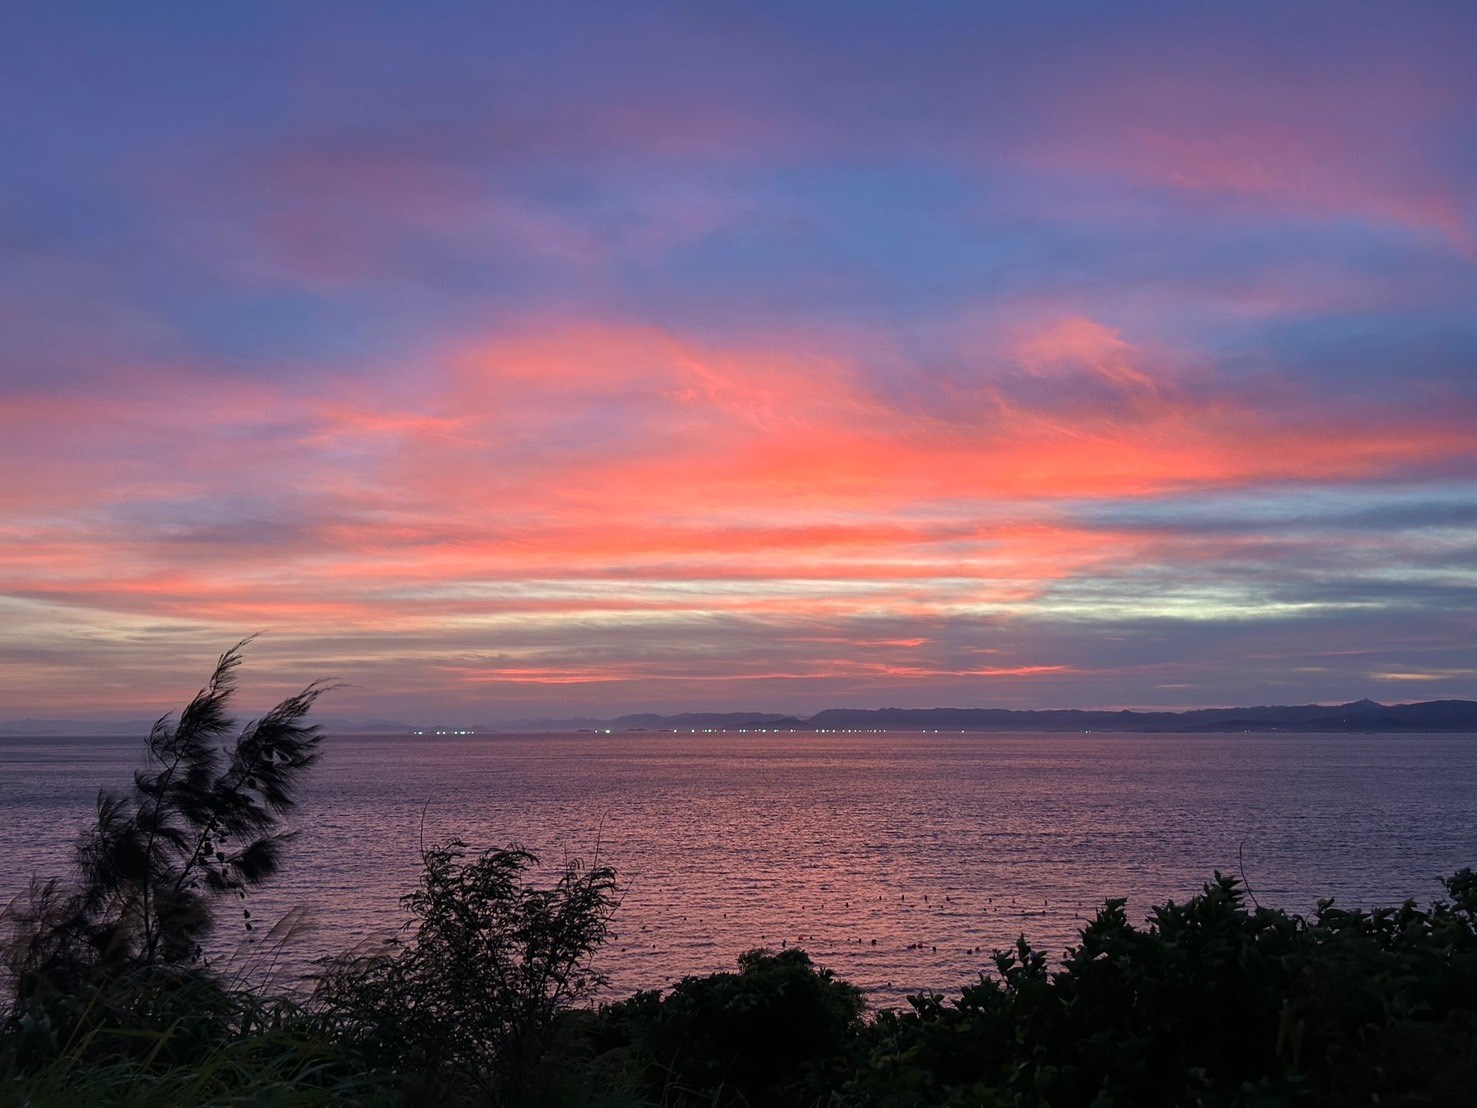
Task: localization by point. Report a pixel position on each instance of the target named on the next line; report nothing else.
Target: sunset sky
(558, 359)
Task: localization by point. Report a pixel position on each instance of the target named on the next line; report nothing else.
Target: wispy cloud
(1072, 355)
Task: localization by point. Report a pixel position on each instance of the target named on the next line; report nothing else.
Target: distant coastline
(1361, 716)
(1366, 716)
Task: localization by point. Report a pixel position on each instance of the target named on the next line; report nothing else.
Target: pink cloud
(585, 473)
(1225, 119)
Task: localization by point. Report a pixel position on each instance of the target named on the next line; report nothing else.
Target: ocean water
(898, 860)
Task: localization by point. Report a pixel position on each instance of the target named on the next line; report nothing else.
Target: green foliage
(107, 983)
(779, 1032)
(199, 823)
(491, 962)
(1210, 1004)
(176, 1036)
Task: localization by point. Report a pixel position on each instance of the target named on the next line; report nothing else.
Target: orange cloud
(584, 474)
(635, 424)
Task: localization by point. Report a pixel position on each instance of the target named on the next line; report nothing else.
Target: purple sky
(511, 360)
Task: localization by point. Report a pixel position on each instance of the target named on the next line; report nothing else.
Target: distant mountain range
(1458, 716)
(1454, 716)
(1361, 715)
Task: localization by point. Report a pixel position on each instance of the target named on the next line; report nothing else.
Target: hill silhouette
(1452, 716)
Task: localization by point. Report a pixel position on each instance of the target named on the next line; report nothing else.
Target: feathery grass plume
(200, 822)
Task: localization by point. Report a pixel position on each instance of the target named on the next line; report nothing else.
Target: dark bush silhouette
(1210, 1003)
(200, 823)
(779, 1032)
(491, 961)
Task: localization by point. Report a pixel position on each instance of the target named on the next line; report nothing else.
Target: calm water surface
(899, 860)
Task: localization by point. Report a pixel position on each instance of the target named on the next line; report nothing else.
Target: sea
(898, 860)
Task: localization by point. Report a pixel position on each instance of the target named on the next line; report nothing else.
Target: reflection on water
(899, 860)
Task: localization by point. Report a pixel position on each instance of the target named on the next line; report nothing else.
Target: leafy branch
(200, 822)
(492, 960)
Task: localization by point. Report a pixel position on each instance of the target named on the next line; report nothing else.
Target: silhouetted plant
(1210, 1004)
(200, 822)
(166, 1037)
(779, 1032)
(490, 962)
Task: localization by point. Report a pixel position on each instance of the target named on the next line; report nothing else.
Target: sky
(516, 360)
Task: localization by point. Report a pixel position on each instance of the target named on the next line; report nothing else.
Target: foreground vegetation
(486, 998)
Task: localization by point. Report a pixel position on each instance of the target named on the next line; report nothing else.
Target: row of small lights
(741, 731)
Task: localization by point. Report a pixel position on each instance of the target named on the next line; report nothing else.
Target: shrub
(173, 1036)
(1211, 1003)
(200, 823)
(779, 1032)
(491, 961)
